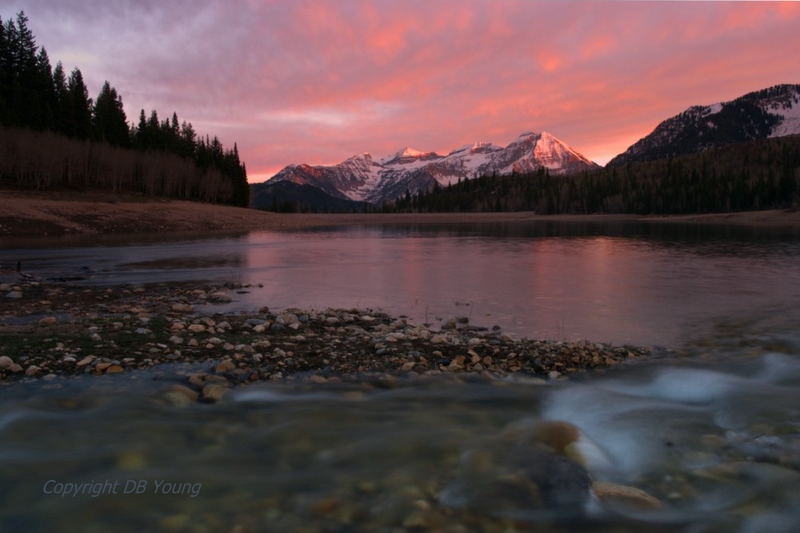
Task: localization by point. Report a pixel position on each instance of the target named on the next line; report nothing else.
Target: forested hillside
(763, 174)
(53, 134)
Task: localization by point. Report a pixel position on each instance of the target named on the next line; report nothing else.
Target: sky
(319, 81)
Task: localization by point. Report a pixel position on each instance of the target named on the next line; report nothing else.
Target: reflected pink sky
(317, 82)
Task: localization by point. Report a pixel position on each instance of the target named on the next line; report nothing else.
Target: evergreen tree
(46, 91)
(63, 120)
(110, 122)
(81, 105)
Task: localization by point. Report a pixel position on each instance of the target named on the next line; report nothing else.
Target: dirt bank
(24, 213)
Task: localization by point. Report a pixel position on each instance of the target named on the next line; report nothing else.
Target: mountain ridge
(770, 112)
(362, 178)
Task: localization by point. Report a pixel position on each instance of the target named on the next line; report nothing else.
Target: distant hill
(772, 112)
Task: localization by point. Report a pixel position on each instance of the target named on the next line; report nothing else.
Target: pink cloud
(319, 81)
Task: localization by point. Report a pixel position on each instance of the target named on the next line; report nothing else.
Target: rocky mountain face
(364, 179)
(772, 112)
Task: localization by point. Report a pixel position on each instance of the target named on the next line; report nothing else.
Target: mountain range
(362, 178)
(771, 112)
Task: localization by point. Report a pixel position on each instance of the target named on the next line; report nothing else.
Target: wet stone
(214, 392)
(219, 297)
(625, 496)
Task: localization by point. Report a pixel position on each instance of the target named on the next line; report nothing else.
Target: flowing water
(713, 431)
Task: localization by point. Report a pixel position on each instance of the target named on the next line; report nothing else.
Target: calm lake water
(714, 433)
(623, 283)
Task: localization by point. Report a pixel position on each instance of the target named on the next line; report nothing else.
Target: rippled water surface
(713, 432)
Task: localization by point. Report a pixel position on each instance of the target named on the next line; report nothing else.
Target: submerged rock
(520, 472)
(624, 495)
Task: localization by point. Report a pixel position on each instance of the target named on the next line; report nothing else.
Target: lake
(713, 431)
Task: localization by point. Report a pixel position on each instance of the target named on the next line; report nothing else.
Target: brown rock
(625, 495)
(198, 380)
(225, 366)
(557, 435)
(101, 367)
(325, 505)
(114, 369)
(85, 361)
(181, 396)
(214, 392)
(183, 308)
(48, 321)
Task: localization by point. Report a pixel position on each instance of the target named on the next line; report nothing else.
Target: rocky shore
(49, 330)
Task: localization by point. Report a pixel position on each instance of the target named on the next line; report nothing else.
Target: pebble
(14, 295)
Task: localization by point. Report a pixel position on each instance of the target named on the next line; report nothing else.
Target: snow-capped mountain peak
(409, 152)
(363, 178)
(407, 155)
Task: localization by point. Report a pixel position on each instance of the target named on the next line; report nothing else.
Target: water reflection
(652, 284)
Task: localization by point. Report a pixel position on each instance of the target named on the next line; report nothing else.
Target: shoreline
(28, 214)
(55, 330)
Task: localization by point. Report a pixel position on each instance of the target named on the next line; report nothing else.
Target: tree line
(762, 174)
(53, 134)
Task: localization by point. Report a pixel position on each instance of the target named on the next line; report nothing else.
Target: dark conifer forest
(53, 134)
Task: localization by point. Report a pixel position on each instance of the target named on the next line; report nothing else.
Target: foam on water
(634, 424)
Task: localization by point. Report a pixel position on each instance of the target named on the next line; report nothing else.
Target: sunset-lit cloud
(318, 81)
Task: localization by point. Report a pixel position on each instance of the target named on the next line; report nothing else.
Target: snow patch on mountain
(791, 119)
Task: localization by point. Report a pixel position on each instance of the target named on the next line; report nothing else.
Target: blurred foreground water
(717, 444)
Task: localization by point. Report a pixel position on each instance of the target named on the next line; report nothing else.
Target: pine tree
(110, 122)
(81, 105)
(64, 117)
(46, 89)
